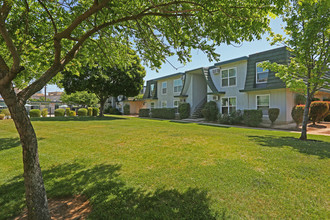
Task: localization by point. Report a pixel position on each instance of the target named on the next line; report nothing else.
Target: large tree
(83, 98)
(308, 29)
(41, 38)
(107, 81)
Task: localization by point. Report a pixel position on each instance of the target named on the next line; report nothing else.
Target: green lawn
(133, 168)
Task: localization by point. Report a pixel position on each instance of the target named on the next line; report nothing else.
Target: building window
(152, 105)
(263, 103)
(164, 104)
(228, 105)
(176, 103)
(164, 87)
(261, 74)
(215, 71)
(152, 88)
(177, 85)
(228, 77)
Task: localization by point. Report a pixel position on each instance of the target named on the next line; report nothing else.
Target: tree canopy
(80, 98)
(308, 30)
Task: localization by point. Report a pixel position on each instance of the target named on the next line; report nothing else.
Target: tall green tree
(107, 81)
(308, 30)
(80, 98)
(41, 38)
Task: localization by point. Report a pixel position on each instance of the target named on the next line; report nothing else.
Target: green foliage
(112, 111)
(59, 112)
(300, 99)
(44, 112)
(67, 111)
(72, 113)
(2, 116)
(96, 111)
(144, 112)
(89, 111)
(210, 111)
(126, 109)
(273, 114)
(252, 117)
(6, 112)
(234, 118)
(297, 114)
(184, 110)
(82, 112)
(318, 110)
(35, 113)
(327, 117)
(165, 113)
(80, 98)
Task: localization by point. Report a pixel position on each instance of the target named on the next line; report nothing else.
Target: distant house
(235, 84)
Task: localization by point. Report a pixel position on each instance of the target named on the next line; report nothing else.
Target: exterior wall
(147, 103)
(169, 96)
(199, 91)
(134, 106)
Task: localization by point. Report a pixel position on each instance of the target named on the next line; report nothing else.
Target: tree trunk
(305, 119)
(102, 103)
(35, 194)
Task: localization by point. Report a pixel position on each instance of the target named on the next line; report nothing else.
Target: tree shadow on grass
(76, 118)
(110, 197)
(310, 147)
(7, 143)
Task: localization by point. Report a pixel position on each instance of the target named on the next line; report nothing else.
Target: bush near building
(2, 116)
(297, 114)
(210, 111)
(67, 111)
(72, 113)
(318, 110)
(164, 113)
(144, 112)
(96, 111)
(234, 118)
(126, 109)
(44, 112)
(252, 117)
(82, 112)
(90, 111)
(35, 113)
(59, 112)
(6, 112)
(273, 114)
(184, 110)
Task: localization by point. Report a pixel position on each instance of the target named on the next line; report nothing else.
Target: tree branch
(49, 14)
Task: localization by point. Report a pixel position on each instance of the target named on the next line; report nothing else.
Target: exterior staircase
(198, 110)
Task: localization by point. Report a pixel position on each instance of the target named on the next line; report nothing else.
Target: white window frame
(228, 103)
(152, 103)
(228, 77)
(215, 71)
(152, 90)
(174, 103)
(174, 86)
(162, 104)
(164, 87)
(261, 72)
(263, 105)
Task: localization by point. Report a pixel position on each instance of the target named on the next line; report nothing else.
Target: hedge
(67, 111)
(2, 116)
(234, 118)
(90, 111)
(297, 114)
(252, 117)
(318, 110)
(210, 111)
(126, 109)
(184, 110)
(300, 99)
(44, 112)
(165, 113)
(112, 111)
(59, 112)
(72, 113)
(144, 112)
(82, 112)
(96, 111)
(273, 114)
(35, 113)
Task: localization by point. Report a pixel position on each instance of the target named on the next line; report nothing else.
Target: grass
(133, 168)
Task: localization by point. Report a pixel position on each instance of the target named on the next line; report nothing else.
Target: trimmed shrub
(233, 118)
(72, 113)
(35, 113)
(165, 113)
(96, 111)
(184, 110)
(318, 110)
(2, 116)
(59, 112)
(297, 114)
(112, 111)
(127, 109)
(273, 114)
(82, 112)
(44, 112)
(210, 111)
(5, 111)
(327, 118)
(67, 111)
(252, 117)
(144, 112)
(223, 119)
(300, 99)
(89, 111)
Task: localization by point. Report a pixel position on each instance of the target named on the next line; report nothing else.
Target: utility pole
(45, 93)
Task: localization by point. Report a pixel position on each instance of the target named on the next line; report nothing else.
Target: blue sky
(199, 59)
